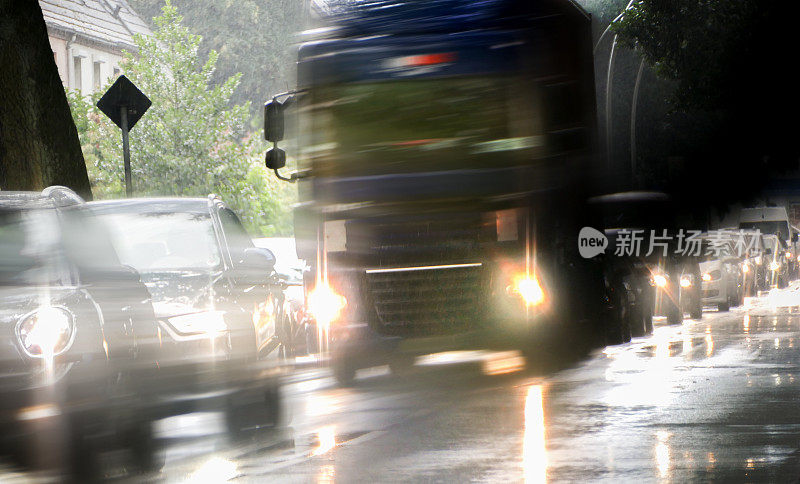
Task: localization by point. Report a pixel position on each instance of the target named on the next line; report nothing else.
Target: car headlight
(707, 277)
(325, 305)
(529, 289)
(746, 268)
(788, 254)
(711, 276)
(774, 265)
(206, 322)
(686, 281)
(660, 280)
(46, 332)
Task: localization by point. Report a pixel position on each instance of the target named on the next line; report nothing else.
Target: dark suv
(77, 335)
(216, 299)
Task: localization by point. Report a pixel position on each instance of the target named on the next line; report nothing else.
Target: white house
(88, 38)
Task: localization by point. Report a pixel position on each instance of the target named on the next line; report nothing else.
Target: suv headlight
(207, 322)
(46, 332)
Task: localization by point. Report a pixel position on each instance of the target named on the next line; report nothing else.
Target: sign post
(124, 104)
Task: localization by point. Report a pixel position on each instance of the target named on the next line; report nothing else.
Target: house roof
(108, 22)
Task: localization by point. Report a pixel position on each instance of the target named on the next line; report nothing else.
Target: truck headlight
(325, 305)
(529, 289)
(46, 332)
(206, 322)
(774, 265)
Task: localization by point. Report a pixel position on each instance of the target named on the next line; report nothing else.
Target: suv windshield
(164, 241)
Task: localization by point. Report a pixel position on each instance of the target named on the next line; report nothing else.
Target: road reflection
(326, 440)
(215, 469)
(662, 453)
(534, 451)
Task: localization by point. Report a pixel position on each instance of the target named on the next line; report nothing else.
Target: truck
(446, 150)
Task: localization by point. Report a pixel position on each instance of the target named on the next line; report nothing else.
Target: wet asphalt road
(716, 399)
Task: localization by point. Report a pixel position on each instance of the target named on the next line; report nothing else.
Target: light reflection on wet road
(714, 399)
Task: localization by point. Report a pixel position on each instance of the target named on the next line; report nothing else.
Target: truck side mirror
(274, 120)
(275, 159)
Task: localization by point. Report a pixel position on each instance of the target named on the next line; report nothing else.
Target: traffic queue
(116, 314)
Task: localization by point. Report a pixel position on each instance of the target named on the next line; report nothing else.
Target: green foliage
(253, 37)
(731, 65)
(192, 141)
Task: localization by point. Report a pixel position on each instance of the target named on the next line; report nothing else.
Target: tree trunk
(39, 144)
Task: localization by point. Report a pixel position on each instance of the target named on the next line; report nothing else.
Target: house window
(96, 79)
(77, 72)
(116, 72)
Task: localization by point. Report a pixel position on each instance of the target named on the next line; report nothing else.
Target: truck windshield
(421, 125)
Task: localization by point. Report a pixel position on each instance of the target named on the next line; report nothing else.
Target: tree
(253, 37)
(734, 101)
(192, 141)
(38, 141)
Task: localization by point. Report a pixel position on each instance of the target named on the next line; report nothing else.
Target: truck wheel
(401, 364)
(344, 373)
(722, 307)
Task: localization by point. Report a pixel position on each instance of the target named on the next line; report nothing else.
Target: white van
(774, 220)
(769, 220)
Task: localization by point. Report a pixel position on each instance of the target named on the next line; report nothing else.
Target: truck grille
(427, 302)
(423, 241)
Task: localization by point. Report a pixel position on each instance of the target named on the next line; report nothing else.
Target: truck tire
(401, 364)
(722, 307)
(344, 372)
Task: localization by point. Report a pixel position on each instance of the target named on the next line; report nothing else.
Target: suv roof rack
(62, 196)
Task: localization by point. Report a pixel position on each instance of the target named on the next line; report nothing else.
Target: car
(217, 301)
(78, 338)
(298, 326)
(721, 274)
(673, 275)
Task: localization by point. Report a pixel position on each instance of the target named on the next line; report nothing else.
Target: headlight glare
(46, 332)
(686, 281)
(774, 265)
(529, 289)
(660, 280)
(325, 305)
(706, 277)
